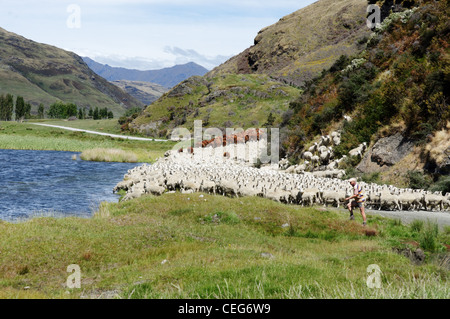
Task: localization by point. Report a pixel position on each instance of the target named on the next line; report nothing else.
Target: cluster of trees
(20, 108)
(61, 110)
(98, 114)
(58, 110)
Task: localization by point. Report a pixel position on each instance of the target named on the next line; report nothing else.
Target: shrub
(442, 185)
(428, 239)
(372, 178)
(418, 180)
(417, 226)
(230, 218)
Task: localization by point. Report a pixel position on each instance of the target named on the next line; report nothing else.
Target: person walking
(356, 200)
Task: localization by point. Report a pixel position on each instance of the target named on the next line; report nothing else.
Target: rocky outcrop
(387, 152)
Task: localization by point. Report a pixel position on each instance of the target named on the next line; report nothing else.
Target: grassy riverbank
(23, 136)
(202, 246)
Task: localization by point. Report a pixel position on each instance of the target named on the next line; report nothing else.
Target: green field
(25, 136)
(193, 246)
(104, 126)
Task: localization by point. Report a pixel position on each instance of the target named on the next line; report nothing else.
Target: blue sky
(146, 34)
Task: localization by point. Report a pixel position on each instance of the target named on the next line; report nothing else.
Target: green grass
(247, 102)
(23, 136)
(188, 246)
(104, 126)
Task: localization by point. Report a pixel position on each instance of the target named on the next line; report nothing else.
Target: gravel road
(440, 218)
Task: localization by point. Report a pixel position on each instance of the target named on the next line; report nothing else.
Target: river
(50, 183)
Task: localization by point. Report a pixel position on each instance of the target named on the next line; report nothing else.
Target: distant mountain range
(167, 77)
(45, 74)
(145, 92)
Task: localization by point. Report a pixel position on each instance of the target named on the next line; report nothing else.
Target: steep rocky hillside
(45, 74)
(396, 93)
(300, 45)
(145, 92)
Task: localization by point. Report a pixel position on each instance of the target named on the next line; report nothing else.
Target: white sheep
(307, 156)
(389, 201)
(333, 197)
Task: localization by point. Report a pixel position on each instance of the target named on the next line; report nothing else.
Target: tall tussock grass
(109, 155)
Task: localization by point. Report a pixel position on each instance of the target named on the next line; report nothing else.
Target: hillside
(230, 94)
(145, 92)
(396, 93)
(300, 45)
(224, 101)
(45, 74)
(167, 77)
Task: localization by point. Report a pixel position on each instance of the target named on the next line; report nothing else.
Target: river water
(50, 183)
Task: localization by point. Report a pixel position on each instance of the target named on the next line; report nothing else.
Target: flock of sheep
(207, 170)
(321, 154)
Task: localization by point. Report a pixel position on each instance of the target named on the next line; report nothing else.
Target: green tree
(71, 110)
(41, 111)
(110, 115)
(2, 108)
(103, 113)
(27, 111)
(9, 107)
(20, 108)
(57, 110)
(96, 114)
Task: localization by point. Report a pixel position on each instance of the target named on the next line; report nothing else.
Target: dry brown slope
(302, 44)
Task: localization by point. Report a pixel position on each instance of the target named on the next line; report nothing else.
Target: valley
(208, 218)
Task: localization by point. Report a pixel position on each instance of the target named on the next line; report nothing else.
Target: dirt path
(101, 133)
